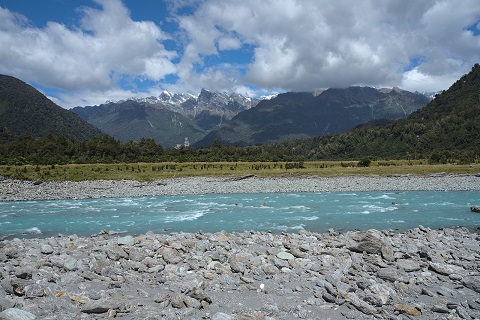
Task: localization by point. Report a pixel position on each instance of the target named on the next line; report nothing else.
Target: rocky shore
(370, 274)
(419, 274)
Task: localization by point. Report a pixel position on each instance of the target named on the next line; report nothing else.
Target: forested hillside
(448, 125)
(24, 110)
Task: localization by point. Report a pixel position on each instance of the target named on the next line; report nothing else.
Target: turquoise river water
(239, 212)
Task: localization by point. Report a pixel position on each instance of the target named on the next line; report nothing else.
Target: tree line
(50, 149)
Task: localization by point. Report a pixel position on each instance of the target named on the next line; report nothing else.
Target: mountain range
(168, 118)
(296, 115)
(239, 120)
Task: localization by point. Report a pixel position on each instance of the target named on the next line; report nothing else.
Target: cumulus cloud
(303, 45)
(107, 45)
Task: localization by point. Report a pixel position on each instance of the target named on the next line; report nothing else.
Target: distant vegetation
(229, 170)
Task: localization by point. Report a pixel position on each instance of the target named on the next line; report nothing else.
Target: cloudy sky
(85, 52)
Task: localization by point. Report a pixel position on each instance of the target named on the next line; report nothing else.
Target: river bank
(17, 190)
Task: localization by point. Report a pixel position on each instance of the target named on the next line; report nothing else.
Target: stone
(5, 304)
(408, 310)
(387, 252)
(126, 241)
(440, 308)
(46, 249)
(472, 282)
(95, 308)
(177, 301)
(392, 275)
(70, 264)
(408, 265)
(222, 316)
(445, 269)
(16, 314)
(171, 255)
(360, 305)
(115, 253)
(283, 255)
(368, 243)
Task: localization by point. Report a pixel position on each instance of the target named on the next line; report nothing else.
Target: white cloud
(286, 45)
(307, 44)
(106, 46)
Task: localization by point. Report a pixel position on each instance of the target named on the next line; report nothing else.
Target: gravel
(16, 190)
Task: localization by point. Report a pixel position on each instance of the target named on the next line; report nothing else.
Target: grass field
(154, 171)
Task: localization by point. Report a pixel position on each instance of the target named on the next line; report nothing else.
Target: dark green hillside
(449, 124)
(24, 110)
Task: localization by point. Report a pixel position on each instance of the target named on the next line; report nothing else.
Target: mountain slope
(131, 120)
(24, 110)
(304, 114)
(449, 123)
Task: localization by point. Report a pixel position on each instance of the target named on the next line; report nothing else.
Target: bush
(365, 162)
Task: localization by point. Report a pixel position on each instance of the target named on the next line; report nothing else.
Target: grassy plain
(155, 171)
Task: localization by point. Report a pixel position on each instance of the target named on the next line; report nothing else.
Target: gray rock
(408, 265)
(70, 264)
(368, 243)
(126, 241)
(115, 253)
(5, 304)
(472, 282)
(95, 308)
(177, 301)
(283, 255)
(445, 269)
(387, 252)
(360, 304)
(171, 255)
(222, 316)
(46, 249)
(16, 314)
(392, 275)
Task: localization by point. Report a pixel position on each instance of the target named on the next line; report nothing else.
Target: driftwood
(475, 209)
(241, 178)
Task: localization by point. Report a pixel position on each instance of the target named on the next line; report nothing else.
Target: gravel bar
(16, 190)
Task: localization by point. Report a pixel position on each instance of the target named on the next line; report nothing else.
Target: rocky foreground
(419, 274)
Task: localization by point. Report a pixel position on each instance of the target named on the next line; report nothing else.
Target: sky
(85, 52)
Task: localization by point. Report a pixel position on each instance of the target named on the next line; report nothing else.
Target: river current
(275, 212)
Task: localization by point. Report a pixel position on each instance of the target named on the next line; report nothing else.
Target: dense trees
(105, 149)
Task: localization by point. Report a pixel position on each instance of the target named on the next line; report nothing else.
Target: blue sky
(84, 52)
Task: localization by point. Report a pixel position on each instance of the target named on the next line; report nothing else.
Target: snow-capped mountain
(220, 105)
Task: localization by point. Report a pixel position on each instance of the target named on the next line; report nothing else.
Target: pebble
(170, 278)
